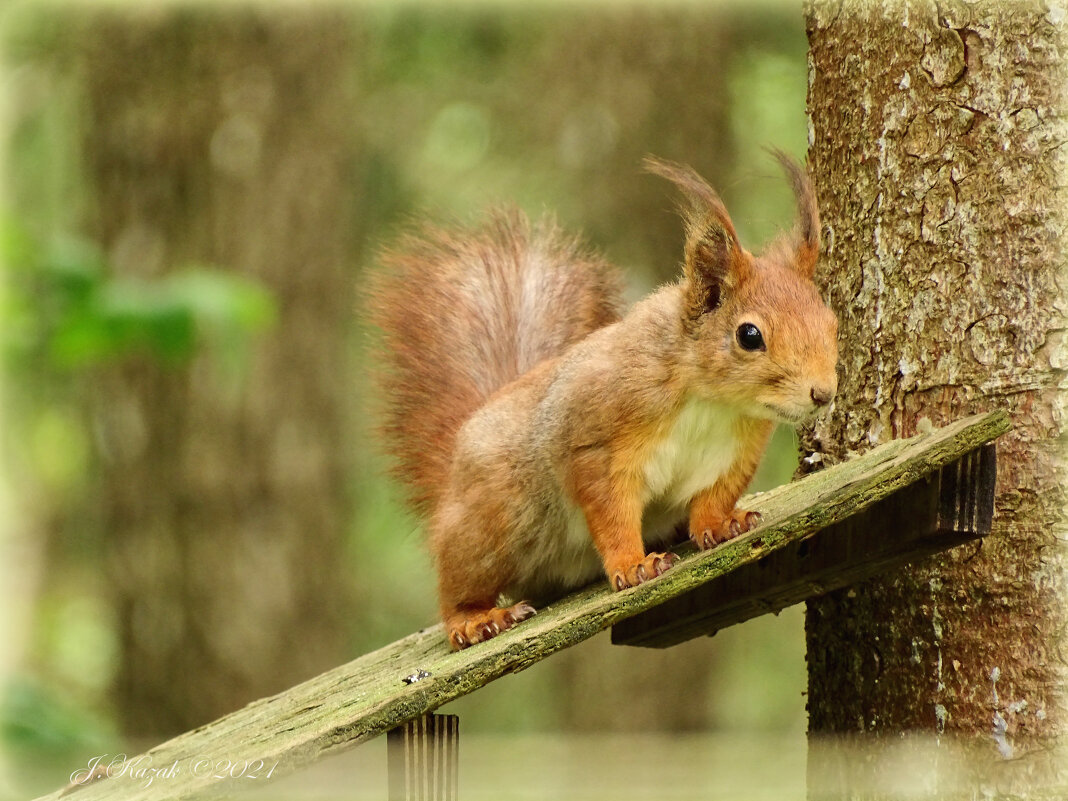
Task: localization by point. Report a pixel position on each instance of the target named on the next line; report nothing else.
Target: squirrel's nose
(821, 396)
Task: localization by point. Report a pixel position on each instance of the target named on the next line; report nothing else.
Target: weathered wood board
(367, 697)
(948, 507)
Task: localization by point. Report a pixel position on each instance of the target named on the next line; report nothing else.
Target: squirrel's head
(758, 333)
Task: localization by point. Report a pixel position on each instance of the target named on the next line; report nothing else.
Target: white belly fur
(700, 447)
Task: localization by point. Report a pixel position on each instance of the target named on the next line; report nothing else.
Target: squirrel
(549, 439)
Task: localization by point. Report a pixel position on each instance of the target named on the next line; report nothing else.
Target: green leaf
(222, 300)
(61, 302)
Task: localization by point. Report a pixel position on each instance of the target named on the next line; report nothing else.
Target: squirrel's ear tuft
(714, 261)
(808, 223)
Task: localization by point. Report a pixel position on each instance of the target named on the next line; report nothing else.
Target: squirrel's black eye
(749, 337)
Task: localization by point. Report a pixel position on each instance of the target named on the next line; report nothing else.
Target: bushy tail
(465, 312)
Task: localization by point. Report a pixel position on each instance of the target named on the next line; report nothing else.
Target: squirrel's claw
(521, 611)
(653, 565)
(734, 524)
(664, 563)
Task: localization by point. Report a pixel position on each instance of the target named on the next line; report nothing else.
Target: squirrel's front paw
(653, 565)
(714, 532)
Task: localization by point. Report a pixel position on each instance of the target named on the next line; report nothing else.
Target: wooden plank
(423, 757)
(948, 507)
(368, 696)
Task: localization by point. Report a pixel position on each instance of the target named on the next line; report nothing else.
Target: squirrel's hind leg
(472, 573)
(468, 625)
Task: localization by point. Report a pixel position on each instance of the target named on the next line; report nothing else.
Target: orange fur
(550, 440)
(463, 313)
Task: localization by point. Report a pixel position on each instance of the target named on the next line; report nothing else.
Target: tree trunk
(937, 141)
(221, 138)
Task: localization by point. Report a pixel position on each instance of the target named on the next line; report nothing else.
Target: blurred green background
(194, 509)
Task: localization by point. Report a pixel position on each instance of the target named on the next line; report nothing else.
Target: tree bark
(937, 141)
(220, 138)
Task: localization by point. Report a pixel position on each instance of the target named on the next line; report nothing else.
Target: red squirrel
(548, 439)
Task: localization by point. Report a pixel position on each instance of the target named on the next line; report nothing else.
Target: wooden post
(423, 756)
(948, 507)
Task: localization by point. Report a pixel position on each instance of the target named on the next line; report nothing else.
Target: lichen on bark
(938, 137)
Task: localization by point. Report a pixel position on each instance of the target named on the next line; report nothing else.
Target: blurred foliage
(554, 110)
(34, 718)
(64, 315)
(63, 305)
